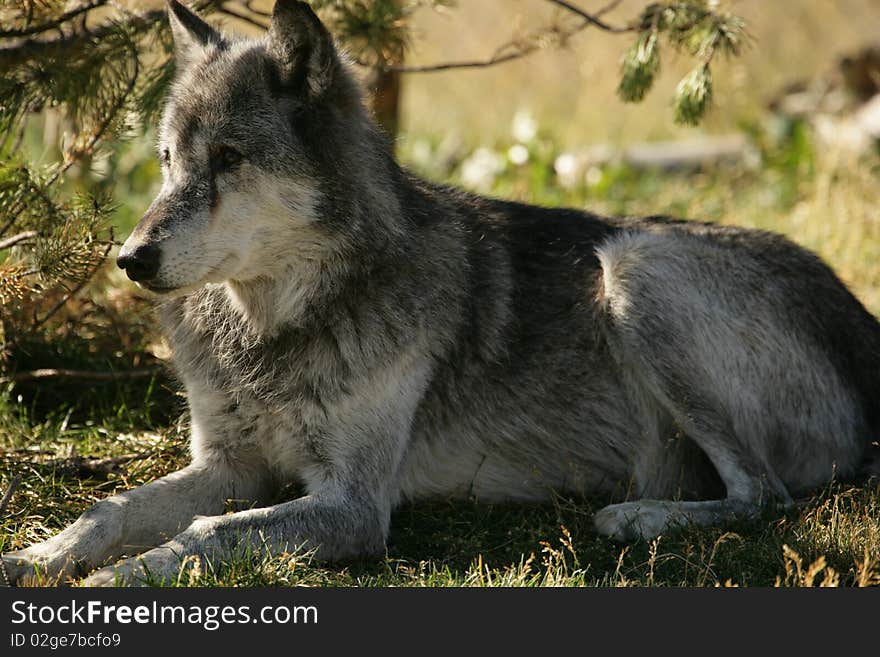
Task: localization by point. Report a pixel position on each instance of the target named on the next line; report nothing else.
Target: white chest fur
(269, 437)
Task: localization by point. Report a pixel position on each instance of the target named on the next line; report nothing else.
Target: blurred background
(571, 92)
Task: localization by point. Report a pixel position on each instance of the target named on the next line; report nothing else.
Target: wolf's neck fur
(267, 304)
(369, 232)
(290, 299)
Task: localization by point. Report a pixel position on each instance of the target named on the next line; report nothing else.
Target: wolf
(375, 338)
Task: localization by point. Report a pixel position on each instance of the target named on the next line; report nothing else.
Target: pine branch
(223, 9)
(593, 19)
(61, 238)
(55, 23)
(693, 26)
(16, 239)
(76, 153)
(72, 293)
(35, 49)
(516, 49)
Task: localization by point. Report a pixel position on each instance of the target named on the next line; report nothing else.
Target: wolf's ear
(301, 47)
(191, 34)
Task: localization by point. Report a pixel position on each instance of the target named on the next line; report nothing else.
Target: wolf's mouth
(157, 289)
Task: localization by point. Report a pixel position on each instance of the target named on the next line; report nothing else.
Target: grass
(457, 543)
(462, 543)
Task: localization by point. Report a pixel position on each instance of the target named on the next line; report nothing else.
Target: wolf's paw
(126, 572)
(16, 567)
(35, 567)
(630, 521)
(159, 565)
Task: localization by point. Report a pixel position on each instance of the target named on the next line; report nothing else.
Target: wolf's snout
(140, 263)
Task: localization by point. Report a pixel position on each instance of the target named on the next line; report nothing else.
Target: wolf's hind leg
(693, 351)
(646, 519)
(749, 483)
(671, 385)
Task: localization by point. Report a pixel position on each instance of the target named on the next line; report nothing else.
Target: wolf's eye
(224, 158)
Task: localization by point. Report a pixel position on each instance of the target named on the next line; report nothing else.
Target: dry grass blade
(7, 497)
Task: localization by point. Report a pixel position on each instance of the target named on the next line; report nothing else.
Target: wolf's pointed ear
(191, 34)
(301, 47)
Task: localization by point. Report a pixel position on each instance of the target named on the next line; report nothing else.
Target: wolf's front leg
(336, 527)
(352, 488)
(130, 522)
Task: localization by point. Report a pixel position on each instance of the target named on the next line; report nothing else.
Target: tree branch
(82, 375)
(15, 239)
(522, 50)
(500, 56)
(67, 297)
(53, 24)
(593, 19)
(476, 63)
(76, 153)
(35, 48)
(31, 48)
(223, 9)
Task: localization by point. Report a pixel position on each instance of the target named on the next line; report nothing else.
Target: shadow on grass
(837, 527)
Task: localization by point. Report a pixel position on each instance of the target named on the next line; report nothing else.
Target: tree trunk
(385, 88)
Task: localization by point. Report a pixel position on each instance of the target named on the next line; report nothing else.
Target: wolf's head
(258, 142)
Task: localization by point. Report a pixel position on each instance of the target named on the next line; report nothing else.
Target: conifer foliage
(698, 29)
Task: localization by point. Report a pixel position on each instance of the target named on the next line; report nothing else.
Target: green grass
(826, 203)
(456, 543)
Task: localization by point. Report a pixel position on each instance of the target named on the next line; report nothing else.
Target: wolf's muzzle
(140, 263)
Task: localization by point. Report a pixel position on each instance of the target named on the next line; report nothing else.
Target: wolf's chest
(296, 366)
(280, 434)
(269, 400)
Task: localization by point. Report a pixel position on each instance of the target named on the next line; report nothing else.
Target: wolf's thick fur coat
(340, 323)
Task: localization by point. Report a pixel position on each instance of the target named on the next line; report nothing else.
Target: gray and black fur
(340, 323)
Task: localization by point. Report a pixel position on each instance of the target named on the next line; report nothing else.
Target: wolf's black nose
(141, 263)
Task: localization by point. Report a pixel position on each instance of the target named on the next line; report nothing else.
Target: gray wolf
(340, 323)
